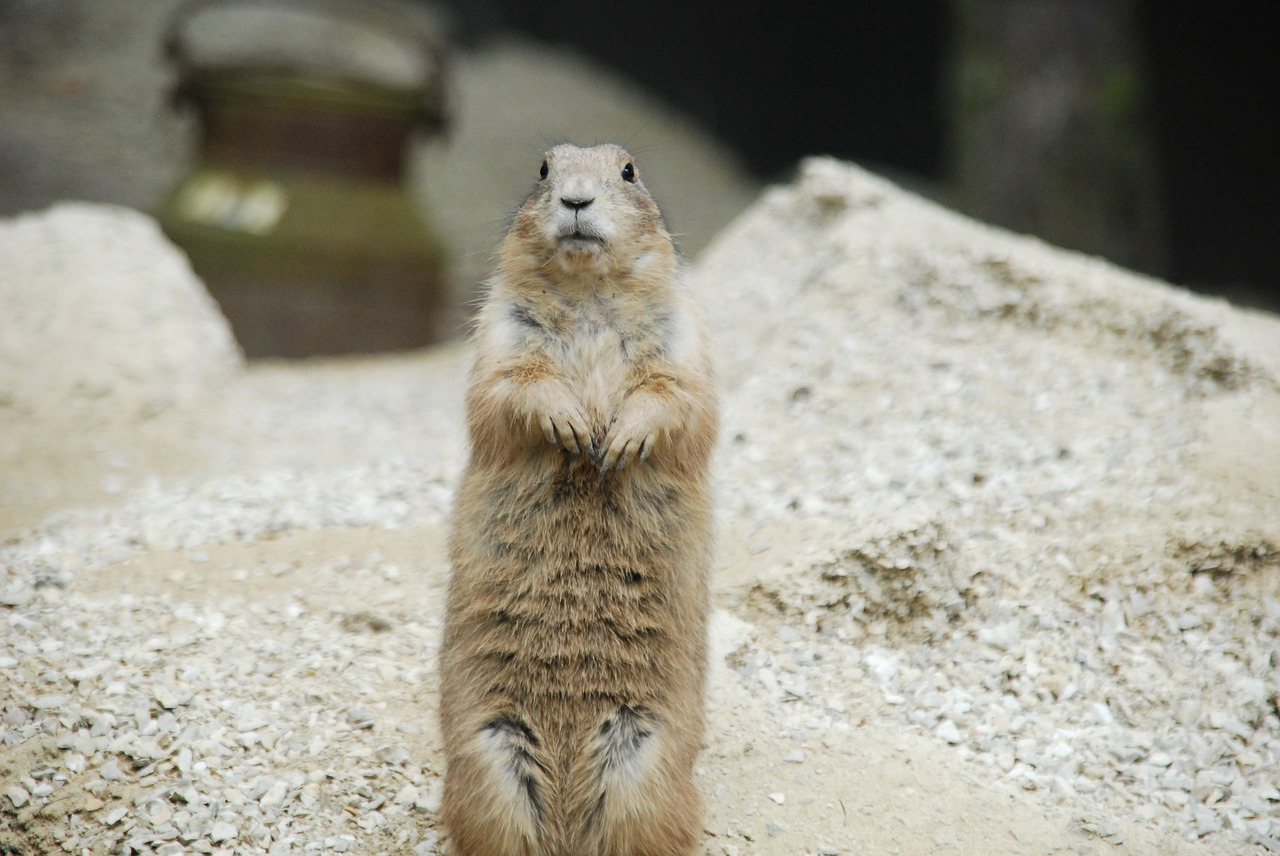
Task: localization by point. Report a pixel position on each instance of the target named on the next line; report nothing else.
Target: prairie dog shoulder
(575, 634)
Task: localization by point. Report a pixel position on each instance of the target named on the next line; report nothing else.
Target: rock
(947, 732)
(274, 796)
(110, 770)
(144, 336)
(222, 831)
(360, 717)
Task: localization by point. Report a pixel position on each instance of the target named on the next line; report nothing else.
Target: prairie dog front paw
(567, 429)
(644, 423)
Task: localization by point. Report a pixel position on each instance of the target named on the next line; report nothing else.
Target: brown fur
(575, 639)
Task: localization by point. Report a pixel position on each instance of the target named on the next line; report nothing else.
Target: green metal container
(296, 214)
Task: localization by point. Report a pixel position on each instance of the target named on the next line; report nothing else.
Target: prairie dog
(575, 637)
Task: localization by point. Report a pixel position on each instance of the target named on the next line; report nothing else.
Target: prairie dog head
(590, 213)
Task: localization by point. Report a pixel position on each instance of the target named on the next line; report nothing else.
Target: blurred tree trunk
(1051, 130)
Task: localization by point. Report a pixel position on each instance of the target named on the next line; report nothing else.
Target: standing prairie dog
(575, 638)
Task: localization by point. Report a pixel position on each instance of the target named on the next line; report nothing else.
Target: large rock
(101, 311)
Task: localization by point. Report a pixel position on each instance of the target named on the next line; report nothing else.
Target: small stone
(1188, 621)
(251, 720)
(158, 812)
(1271, 845)
(360, 717)
(222, 831)
(948, 733)
(796, 757)
(1061, 749)
(778, 798)
(17, 795)
(114, 816)
(110, 770)
(1126, 753)
(768, 679)
(274, 797)
(394, 755)
(429, 798)
(169, 697)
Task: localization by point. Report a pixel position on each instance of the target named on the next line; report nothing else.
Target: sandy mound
(1030, 498)
(997, 566)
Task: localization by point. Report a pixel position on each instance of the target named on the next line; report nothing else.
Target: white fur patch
(682, 336)
(628, 752)
(503, 332)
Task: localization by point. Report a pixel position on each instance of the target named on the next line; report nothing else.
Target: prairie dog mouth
(580, 237)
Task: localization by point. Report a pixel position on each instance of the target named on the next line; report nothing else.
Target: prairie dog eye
(629, 172)
(542, 173)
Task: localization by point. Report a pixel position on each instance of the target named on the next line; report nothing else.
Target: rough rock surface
(997, 572)
(98, 304)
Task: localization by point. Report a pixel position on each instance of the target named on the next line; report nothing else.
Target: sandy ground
(997, 569)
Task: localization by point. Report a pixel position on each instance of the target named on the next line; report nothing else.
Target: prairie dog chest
(596, 358)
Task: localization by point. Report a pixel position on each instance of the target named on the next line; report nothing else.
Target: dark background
(867, 81)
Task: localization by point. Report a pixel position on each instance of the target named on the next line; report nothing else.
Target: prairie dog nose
(577, 192)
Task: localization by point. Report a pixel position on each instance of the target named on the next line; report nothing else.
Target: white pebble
(948, 733)
(222, 831)
(110, 770)
(274, 796)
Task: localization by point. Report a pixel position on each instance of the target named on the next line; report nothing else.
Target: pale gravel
(999, 443)
(969, 487)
